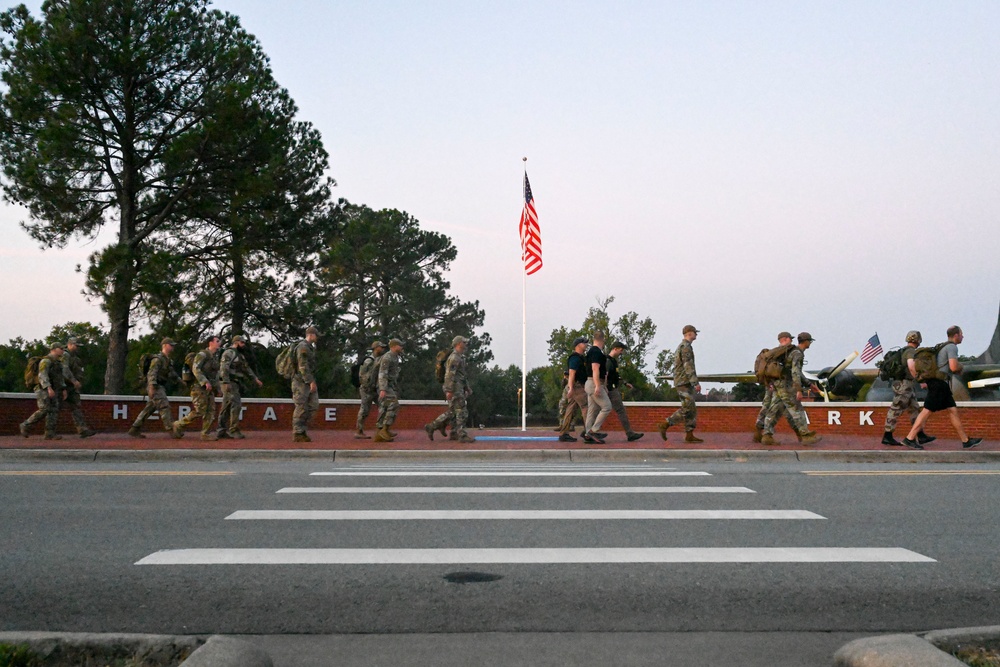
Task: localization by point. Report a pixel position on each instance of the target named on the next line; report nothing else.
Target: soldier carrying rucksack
(788, 393)
(160, 372)
(234, 373)
(47, 378)
(201, 373)
(368, 386)
(895, 367)
(455, 385)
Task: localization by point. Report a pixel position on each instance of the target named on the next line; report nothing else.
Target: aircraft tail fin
(992, 353)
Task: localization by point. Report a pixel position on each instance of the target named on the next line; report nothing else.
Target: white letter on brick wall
(243, 411)
(833, 417)
(183, 411)
(269, 415)
(119, 411)
(865, 418)
(331, 414)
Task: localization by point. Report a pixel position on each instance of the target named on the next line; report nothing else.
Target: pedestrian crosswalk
(339, 491)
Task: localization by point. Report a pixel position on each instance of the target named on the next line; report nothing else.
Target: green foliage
(749, 392)
(18, 655)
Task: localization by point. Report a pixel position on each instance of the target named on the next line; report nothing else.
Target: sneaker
(566, 437)
(602, 436)
(592, 439)
(887, 439)
(923, 438)
(429, 428)
(971, 442)
(632, 437)
(87, 432)
(912, 444)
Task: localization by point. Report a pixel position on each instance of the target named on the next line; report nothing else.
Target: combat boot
(691, 437)
(382, 435)
(360, 435)
(209, 437)
(52, 436)
(429, 428)
(87, 432)
(444, 430)
(811, 438)
(465, 437)
(757, 433)
(768, 439)
(222, 435)
(887, 439)
(24, 430)
(302, 437)
(662, 428)
(392, 434)
(177, 432)
(453, 436)
(237, 435)
(135, 432)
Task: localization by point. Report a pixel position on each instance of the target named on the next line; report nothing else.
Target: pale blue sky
(745, 167)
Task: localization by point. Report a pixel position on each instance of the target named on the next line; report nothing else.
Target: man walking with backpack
(784, 340)
(368, 386)
(204, 385)
(160, 373)
(903, 394)
(49, 383)
(233, 371)
(937, 372)
(73, 368)
(788, 394)
(388, 391)
(456, 391)
(305, 392)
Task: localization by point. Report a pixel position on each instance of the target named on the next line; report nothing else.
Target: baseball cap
(581, 339)
(618, 344)
(377, 344)
(238, 339)
(804, 336)
(167, 341)
(395, 341)
(312, 330)
(784, 334)
(689, 329)
(458, 339)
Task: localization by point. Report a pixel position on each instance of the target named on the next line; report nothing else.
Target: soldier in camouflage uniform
(368, 389)
(687, 385)
(233, 372)
(788, 395)
(784, 338)
(74, 380)
(160, 373)
(903, 396)
(388, 391)
(305, 393)
(50, 390)
(204, 387)
(456, 391)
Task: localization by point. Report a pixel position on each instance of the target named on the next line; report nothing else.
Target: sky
(746, 167)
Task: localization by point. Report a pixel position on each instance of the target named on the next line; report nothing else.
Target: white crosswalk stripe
(513, 515)
(491, 490)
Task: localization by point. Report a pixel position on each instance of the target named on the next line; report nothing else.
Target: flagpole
(524, 332)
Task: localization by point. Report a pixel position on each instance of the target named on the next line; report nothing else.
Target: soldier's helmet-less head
(914, 337)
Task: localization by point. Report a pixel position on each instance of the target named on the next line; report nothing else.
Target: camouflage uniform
(903, 398)
(233, 371)
(388, 381)
(50, 375)
(368, 391)
(160, 372)
(306, 400)
(73, 368)
(205, 369)
(685, 379)
(457, 384)
(766, 406)
(785, 397)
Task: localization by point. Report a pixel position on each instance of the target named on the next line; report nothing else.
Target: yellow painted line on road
(111, 473)
(881, 473)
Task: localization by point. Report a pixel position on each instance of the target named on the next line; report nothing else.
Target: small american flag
(531, 235)
(873, 348)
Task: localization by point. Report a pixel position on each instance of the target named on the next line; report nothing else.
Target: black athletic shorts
(939, 396)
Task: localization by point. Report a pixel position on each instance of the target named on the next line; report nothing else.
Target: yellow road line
(864, 473)
(110, 473)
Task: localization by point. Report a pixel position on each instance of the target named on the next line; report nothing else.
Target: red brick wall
(105, 413)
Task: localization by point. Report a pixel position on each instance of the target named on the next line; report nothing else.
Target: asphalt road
(72, 543)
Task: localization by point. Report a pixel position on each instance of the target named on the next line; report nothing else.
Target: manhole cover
(471, 577)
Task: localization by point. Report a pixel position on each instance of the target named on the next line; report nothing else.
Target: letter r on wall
(833, 417)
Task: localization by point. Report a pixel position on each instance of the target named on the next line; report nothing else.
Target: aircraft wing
(718, 377)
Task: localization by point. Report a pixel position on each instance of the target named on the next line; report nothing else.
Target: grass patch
(17, 656)
(22, 656)
(979, 657)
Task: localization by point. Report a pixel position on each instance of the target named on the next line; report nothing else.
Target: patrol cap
(377, 344)
(784, 334)
(914, 337)
(312, 330)
(458, 340)
(56, 346)
(167, 341)
(72, 341)
(618, 344)
(395, 341)
(804, 336)
(581, 339)
(238, 339)
(689, 329)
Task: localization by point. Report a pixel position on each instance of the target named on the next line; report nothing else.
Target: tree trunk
(239, 287)
(118, 305)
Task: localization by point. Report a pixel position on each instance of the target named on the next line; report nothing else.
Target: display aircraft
(978, 381)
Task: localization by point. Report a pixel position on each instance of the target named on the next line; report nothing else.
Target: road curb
(488, 455)
(929, 649)
(221, 651)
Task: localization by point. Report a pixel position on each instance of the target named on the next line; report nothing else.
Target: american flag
(531, 235)
(873, 348)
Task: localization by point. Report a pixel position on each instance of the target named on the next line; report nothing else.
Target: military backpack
(187, 371)
(31, 372)
(285, 363)
(359, 380)
(892, 367)
(144, 362)
(441, 365)
(770, 363)
(925, 363)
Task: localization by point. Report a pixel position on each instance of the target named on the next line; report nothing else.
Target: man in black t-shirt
(615, 394)
(577, 397)
(598, 403)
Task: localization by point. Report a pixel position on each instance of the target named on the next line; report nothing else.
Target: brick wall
(115, 413)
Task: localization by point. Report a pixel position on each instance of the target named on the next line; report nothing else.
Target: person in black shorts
(939, 396)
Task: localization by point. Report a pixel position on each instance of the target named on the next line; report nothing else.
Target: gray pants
(598, 406)
(618, 405)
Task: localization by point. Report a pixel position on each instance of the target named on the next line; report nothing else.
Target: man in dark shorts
(939, 396)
